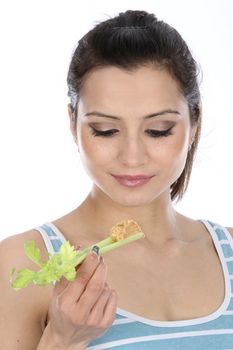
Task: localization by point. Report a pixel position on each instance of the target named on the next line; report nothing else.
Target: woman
(135, 114)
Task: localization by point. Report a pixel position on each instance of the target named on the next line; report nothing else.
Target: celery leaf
(33, 252)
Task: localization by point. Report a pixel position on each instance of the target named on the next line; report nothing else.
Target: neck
(158, 220)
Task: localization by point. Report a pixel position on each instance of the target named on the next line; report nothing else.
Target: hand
(83, 310)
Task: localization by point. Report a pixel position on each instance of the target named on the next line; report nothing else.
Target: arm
(80, 311)
(22, 312)
(49, 342)
(72, 324)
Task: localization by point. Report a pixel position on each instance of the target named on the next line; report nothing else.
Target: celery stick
(120, 243)
(100, 244)
(62, 263)
(109, 244)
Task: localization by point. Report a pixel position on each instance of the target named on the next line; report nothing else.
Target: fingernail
(95, 249)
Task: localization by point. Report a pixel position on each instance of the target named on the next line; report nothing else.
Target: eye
(159, 133)
(105, 133)
(151, 132)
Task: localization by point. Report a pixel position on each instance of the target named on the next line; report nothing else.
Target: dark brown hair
(128, 41)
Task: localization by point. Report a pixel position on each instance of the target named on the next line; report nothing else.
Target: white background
(41, 177)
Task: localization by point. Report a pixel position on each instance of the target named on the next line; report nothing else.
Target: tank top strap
(223, 242)
(52, 236)
(224, 238)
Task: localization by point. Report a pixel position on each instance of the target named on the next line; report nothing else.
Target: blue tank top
(133, 332)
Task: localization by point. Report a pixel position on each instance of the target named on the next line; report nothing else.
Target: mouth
(132, 180)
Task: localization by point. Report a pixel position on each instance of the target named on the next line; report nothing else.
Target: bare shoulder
(230, 229)
(14, 245)
(26, 308)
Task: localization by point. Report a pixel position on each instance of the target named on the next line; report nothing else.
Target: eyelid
(150, 125)
(152, 129)
(166, 132)
(109, 132)
(103, 130)
(102, 125)
(164, 125)
(152, 132)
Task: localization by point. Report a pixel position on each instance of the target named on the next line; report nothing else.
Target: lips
(133, 177)
(132, 180)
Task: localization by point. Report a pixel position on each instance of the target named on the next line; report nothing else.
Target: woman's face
(132, 123)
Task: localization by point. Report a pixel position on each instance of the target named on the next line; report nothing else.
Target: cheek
(179, 145)
(95, 150)
(173, 155)
(170, 146)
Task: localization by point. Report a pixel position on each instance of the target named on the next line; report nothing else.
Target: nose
(133, 152)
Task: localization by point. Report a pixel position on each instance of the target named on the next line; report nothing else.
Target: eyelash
(151, 132)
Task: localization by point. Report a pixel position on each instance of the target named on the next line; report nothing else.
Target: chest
(179, 287)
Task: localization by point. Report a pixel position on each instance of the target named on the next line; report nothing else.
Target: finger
(86, 270)
(60, 286)
(110, 310)
(92, 291)
(97, 312)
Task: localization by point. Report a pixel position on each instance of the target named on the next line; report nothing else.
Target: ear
(72, 124)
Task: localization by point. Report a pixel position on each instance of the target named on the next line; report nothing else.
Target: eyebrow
(99, 114)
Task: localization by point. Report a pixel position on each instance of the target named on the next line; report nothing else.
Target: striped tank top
(133, 332)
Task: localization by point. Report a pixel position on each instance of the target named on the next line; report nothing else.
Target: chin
(133, 200)
(130, 197)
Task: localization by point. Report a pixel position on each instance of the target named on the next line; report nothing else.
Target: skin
(173, 268)
(131, 150)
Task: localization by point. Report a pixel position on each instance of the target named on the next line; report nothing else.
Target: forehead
(145, 86)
